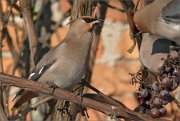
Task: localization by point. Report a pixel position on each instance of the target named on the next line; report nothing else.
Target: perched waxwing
(153, 50)
(65, 64)
(161, 17)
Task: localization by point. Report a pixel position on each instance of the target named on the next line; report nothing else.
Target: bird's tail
(27, 96)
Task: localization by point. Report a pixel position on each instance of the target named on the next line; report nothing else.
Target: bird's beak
(98, 21)
(96, 24)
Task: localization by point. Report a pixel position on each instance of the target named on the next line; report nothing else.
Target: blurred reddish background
(113, 63)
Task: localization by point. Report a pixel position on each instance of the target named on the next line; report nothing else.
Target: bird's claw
(53, 86)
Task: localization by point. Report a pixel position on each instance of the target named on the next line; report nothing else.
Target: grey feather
(171, 12)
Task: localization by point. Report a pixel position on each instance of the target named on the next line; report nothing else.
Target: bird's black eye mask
(88, 20)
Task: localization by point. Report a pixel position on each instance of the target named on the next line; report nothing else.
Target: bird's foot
(79, 89)
(53, 86)
(81, 84)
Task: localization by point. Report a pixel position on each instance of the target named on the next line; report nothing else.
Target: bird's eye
(88, 20)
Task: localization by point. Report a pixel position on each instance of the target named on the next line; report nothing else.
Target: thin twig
(134, 31)
(110, 6)
(25, 6)
(109, 100)
(3, 106)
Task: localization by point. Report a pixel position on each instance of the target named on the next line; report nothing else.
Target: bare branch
(133, 28)
(65, 95)
(25, 6)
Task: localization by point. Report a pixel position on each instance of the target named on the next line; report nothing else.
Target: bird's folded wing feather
(171, 12)
(37, 72)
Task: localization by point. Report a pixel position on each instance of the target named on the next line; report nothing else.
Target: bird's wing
(47, 61)
(171, 12)
(37, 72)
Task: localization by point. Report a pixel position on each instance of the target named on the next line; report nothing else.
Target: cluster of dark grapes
(154, 96)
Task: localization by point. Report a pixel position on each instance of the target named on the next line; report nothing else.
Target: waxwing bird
(161, 17)
(153, 50)
(65, 64)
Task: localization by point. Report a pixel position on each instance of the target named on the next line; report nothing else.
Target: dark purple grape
(140, 99)
(174, 55)
(157, 102)
(163, 111)
(166, 81)
(164, 102)
(144, 93)
(155, 86)
(155, 113)
(165, 95)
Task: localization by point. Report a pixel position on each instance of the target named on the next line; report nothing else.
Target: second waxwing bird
(65, 64)
(153, 50)
(161, 17)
